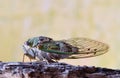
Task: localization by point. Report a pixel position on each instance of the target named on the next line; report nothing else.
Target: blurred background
(60, 19)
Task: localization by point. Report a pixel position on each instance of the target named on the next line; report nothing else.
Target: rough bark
(53, 70)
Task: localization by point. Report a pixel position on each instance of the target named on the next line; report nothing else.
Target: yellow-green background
(60, 19)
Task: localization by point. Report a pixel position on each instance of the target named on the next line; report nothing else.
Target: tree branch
(53, 70)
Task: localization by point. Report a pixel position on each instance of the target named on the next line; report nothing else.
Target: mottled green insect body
(57, 47)
(33, 41)
(74, 48)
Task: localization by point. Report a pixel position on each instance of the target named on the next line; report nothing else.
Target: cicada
(45, 48)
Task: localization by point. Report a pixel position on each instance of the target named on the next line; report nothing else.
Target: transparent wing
(87, 47)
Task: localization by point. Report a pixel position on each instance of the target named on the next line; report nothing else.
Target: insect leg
(40, 55)
(23, 57)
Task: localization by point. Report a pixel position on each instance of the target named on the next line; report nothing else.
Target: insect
(45, 48)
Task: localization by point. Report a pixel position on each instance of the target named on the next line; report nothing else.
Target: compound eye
(29, 43)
